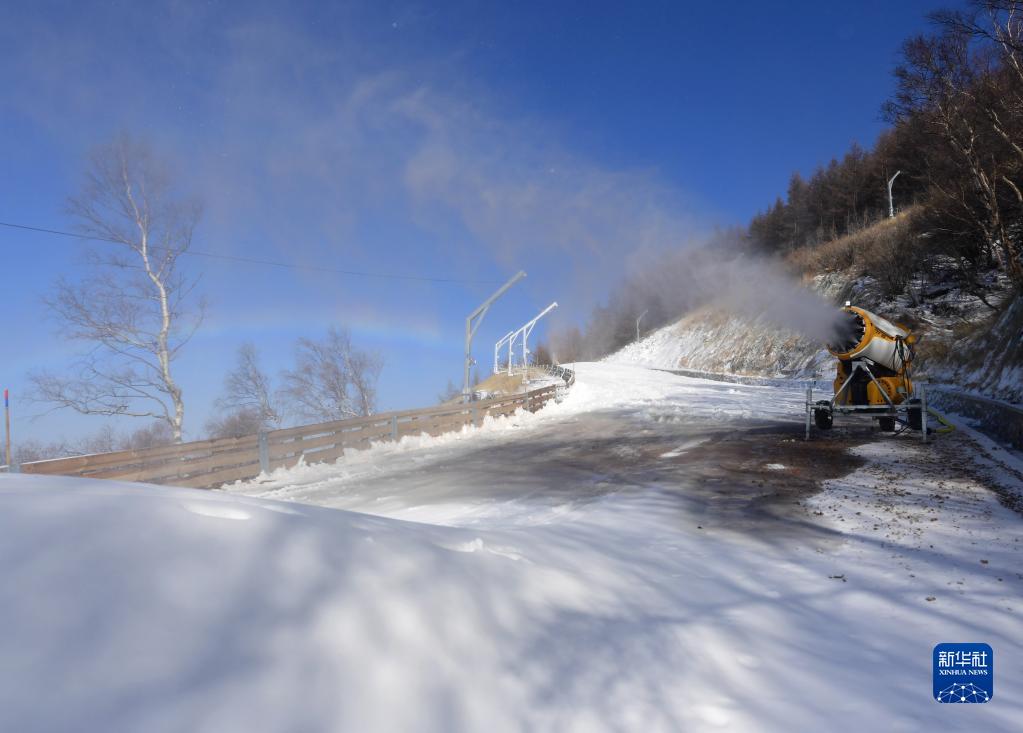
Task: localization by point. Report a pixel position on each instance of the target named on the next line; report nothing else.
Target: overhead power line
(258, 261)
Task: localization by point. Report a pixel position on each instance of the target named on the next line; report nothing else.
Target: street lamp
(638, 320)
(470, 327)
(891, 206)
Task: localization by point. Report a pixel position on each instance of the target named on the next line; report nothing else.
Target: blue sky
(457, 140)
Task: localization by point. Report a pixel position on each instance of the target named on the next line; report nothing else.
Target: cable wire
(257, 261)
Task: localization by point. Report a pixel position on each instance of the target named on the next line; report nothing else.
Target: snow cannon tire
(823, 418)
(915, 415)
(886, 424)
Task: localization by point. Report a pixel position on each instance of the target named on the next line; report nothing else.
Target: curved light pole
(638, 320)
(891, 205)
(470, 327)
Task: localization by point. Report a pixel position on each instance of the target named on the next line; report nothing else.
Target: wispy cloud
(362, 319)
(342, 146)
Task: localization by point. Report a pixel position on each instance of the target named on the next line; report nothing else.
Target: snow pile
(558, 577)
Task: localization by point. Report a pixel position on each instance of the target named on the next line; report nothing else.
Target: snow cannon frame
(872, 376)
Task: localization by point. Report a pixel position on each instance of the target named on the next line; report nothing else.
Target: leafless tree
(135, 309)
(542, 354)
(450, 393)
(235, 424)
(32, 450)
(247, 390)
(153, 435)
(249, 404)
(332, 380)
(104, 440)
(454, 391)
(567, 345)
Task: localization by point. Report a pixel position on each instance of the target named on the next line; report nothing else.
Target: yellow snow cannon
(874, 356)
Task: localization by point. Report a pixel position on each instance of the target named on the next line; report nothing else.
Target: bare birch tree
(248, 404)
(134, 309)
(332, 380)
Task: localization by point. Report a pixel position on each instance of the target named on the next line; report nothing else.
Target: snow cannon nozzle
(847, 331)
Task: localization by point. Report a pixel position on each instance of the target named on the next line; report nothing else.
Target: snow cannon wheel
(886, 424)
(915, 415)
(822, 417)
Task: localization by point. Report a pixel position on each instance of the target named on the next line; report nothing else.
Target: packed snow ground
(644, 556)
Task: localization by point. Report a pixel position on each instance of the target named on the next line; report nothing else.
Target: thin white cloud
(310, 143)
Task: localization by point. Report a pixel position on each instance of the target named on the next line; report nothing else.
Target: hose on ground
(948, 426)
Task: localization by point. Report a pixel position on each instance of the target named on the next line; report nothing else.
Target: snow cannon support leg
(923, 414)
(809, 402)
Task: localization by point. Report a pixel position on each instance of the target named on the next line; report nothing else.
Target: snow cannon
(872, 376)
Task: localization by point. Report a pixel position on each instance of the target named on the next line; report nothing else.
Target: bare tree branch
(248, 396)
(133, 307)
(331, 379)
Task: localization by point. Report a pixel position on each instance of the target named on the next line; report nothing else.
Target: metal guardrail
(999, 420)
(736, 378)
(211, 463)
(558, 372)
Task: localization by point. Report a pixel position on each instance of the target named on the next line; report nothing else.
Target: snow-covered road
(620, 431)
(652, 554)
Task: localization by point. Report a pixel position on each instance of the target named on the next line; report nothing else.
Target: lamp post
(472, 323)
(891, 205)
(7, 429)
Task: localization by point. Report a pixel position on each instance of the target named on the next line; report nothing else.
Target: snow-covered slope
(713, 341)
(591, 567)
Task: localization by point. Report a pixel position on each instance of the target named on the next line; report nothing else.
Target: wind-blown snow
(554, 579)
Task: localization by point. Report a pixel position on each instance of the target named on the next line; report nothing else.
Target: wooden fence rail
(210, 463)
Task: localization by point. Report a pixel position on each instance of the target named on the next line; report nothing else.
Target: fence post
(394, 427)
(264, 452)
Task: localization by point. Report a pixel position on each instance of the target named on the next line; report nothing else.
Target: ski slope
(647, 555)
